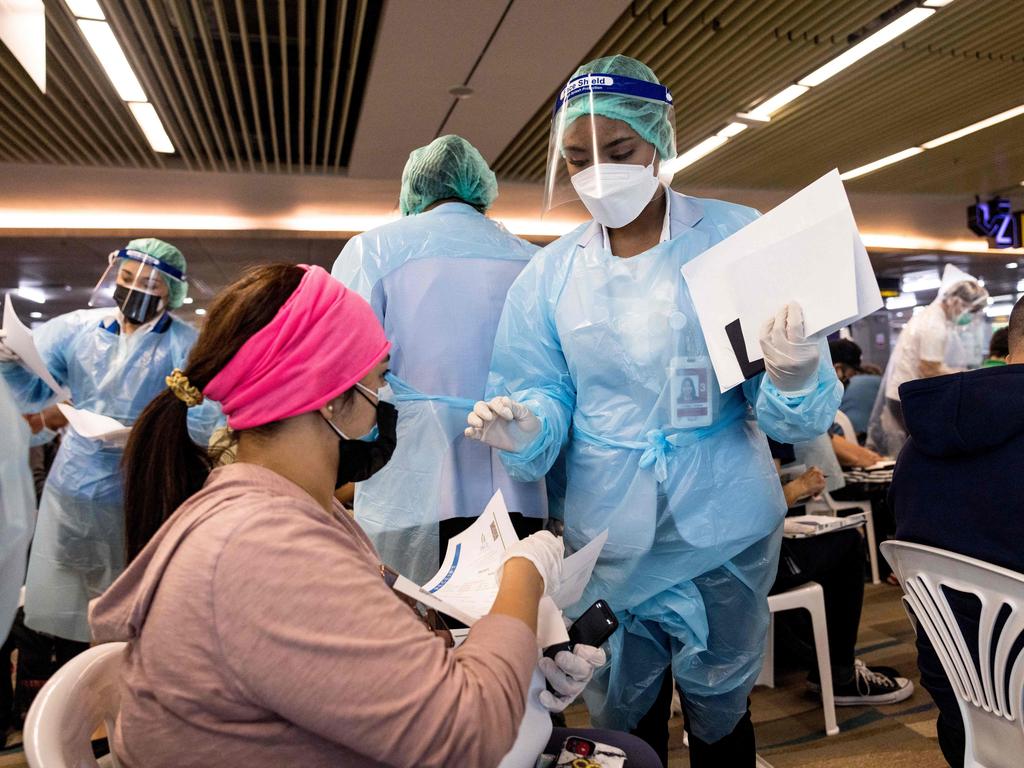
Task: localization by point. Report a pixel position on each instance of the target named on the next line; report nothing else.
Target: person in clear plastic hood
(437, 280)
(113, 358)
(599, 352)
(921, 353)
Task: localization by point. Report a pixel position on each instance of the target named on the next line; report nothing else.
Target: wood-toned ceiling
(720, 57)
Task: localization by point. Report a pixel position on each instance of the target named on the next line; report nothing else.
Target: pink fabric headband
(322, 341)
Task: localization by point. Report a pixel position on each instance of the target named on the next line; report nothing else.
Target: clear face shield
(609, 136)
(136, 283)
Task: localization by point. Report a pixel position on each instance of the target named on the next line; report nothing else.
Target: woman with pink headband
(260, 630)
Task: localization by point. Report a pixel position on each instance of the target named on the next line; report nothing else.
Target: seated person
(957, 487)
(998, 349)
(835, 561)
(860, 387)
(260, 628)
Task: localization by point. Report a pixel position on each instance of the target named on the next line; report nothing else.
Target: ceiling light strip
(763, 112)
(958, 134)
(115, 64)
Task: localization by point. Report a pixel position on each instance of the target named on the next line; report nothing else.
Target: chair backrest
(80, 697)
(990, 688)
(847, 426)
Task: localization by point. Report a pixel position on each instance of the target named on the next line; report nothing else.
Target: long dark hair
(162, 465)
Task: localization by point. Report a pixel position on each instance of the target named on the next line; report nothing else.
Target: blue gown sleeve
(52, 339)
(788, 419)
(528, 366)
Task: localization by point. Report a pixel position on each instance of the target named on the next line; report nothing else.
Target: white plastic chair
(829, 506)
(81, 696)
(991, 692)
(847, 426)
(810, 597)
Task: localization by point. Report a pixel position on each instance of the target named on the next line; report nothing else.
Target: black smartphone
(594, 626)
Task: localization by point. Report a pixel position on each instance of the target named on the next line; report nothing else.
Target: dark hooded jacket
(959, 486)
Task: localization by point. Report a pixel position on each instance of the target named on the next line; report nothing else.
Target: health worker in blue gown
(600, 352)
(437, 279)
(114, 359)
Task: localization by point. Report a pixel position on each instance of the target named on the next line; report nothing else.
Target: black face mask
(138, 307)
(360, 460)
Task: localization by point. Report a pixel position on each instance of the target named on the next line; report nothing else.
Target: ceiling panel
(239, 85)
(720, 57)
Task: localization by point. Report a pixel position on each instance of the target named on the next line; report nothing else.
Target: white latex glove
(790, 358)
(503, 423)
(545, 551)
(7, 355)
(568, 673)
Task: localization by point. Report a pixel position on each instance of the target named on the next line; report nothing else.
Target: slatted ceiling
(76, 122)
(945, 74)
(716, 56)
(240, 85)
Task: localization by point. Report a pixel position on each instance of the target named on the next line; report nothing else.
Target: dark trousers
(448, 529)
(737, 750)
(638, 754)
(39, 656)
(835, 561)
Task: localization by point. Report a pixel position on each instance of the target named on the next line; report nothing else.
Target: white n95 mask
(616, 193)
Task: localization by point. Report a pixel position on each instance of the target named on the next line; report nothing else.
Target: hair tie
(179, 384)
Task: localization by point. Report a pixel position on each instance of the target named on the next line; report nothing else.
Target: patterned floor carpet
(788, 718)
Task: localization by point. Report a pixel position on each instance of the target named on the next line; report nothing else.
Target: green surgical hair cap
(168, 254)
(448, 167)
(651, 120)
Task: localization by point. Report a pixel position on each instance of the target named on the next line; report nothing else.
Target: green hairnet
(652, 120)
(168, 254)
(449, 166)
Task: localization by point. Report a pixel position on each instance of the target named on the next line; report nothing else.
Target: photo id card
(691, 396)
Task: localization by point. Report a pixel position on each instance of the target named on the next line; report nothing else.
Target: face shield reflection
(602, 121)
(136, 283)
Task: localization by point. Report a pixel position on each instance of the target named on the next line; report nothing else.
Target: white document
(95, 426)
(806, 250)
(19, 339)
(576, 571)
(466, 584)
(468, 579)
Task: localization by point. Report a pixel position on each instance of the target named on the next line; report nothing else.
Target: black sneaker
(870, 687)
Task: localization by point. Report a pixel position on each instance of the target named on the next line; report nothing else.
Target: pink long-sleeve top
(260, 633)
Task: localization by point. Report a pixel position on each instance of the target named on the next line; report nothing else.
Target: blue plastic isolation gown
(17, 506)
(78, 549)
(694, 516)
(437, 282)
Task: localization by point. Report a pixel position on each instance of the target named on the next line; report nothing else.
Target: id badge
(691, 393)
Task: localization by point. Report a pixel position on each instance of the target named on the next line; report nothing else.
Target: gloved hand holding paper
(466, 585)
(806, 250)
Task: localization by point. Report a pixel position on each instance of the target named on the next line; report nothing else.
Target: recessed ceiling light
(869, 44)
(148, 120)
(889, 160)
(35, 315)
(187, 300)
(770, 106)
(1012, 265)
(200, 311)
(101, 39)
(85, 9)
(461, 91)
(981, 124)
